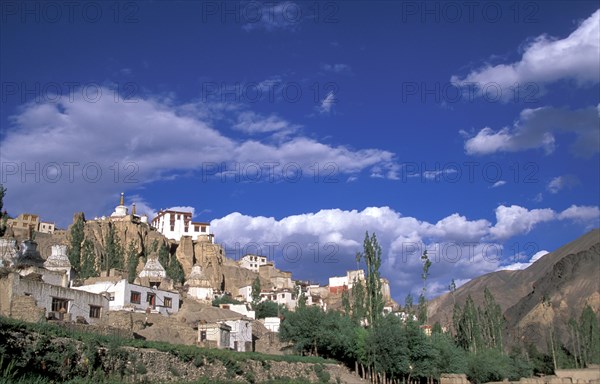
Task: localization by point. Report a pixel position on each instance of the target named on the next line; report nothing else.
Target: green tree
(522, 365)
(421, 354)
(491, 320)
(468, 334)
(132, 262)
(590, 336)
(372, 256)
(303, 328)
(449, 358)
(315, 332)
(175, 270)
(269, 309)
(387, 348)
(346, 302)
(422, 308)
(488, 365)
(88, 261)
(359, 310)
(76, 241)
(163, 255)
(113, 250)
(409, 304)
(256, 288)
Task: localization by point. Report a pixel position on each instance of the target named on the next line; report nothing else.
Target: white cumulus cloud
(81, 154)
(547, 59)
(537, 128)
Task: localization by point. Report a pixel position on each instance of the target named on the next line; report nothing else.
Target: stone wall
(14, 286)
(589, 374)
(25, 308)
(450, 378)
(563, 376)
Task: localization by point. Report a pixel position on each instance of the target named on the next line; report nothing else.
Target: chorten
(28, 255)
(121, 209)
(153, 269)
(58, 260)
(199, 285)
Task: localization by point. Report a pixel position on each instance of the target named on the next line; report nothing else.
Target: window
(202, 335)
(168, 302)
(94, 312)
(203, 228)
(136, 297)
(150, 298)
(60, 305)
(172, 227)
(197, 228)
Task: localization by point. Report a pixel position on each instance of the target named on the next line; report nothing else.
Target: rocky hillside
(549, 292)
(224, 273)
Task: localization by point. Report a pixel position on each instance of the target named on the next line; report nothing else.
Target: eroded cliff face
(224, 273)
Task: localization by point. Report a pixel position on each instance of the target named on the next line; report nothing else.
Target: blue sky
(468, 130)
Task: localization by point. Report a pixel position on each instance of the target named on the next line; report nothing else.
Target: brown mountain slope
(560, 295)
(568, 277)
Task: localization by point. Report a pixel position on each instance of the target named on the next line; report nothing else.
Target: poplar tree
(358, 302)
(422, 308)
(590, 336)
(175, 270)
(132, 262)
(88, 261)
(77, 237)
(256, 291)
(372, 256)
(114, 250)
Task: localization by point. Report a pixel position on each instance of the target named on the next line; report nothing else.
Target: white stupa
(153, 269)
(58, 260)
(199, 285)
(121, 209)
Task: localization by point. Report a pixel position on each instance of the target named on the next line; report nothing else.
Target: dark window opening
(95, 311)
(136, 297)
(60, 305)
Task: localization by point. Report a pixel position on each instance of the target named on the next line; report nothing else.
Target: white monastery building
(252, 262)
(174, 224)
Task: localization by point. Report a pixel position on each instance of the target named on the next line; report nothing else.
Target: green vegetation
(113, 250)
(88, 261)
(175, 270)
(103, 359)
(170, 263)
(76, 241)
(387, 348)
(269, 309)
(225, 299)
(256, 291)
(132, 262)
